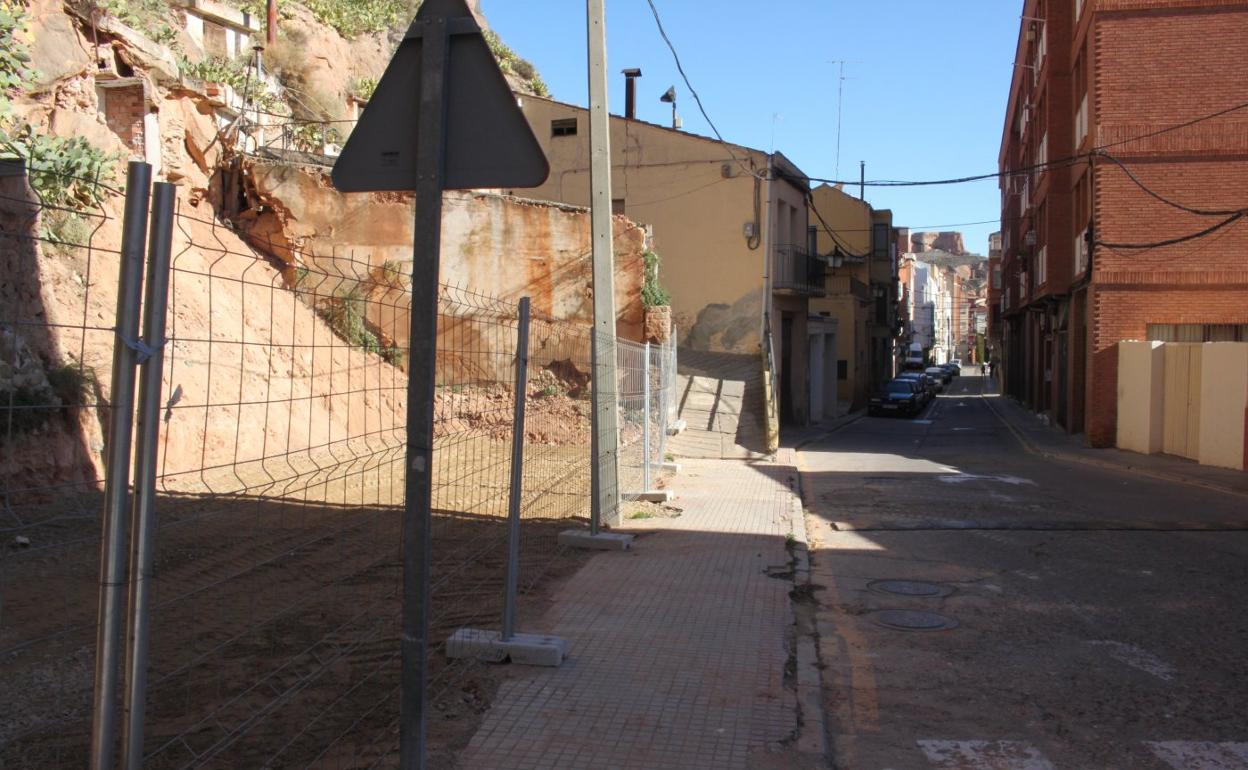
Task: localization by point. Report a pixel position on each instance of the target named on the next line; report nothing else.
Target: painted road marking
(1139, 658)
(962, 478)
(1201, 755)
(984, 755)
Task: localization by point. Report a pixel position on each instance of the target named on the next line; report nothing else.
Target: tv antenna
(840, 101)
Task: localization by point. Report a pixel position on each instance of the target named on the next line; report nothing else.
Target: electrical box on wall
(750, 230)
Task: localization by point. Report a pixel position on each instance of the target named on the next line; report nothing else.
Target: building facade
(859, 245)
(1110, 243)
(729, 224)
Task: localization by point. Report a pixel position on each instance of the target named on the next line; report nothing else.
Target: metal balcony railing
(793, 269)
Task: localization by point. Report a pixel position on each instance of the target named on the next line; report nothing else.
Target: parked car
(900, 396)
(939, 374)
(958, 363)
(953, 369)
(926, 383)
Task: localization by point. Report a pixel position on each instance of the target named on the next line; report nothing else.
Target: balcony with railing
(794, 270)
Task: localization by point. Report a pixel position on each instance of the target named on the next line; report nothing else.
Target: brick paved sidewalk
(678, 648)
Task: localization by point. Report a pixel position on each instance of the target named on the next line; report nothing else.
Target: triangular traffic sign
(488, 140)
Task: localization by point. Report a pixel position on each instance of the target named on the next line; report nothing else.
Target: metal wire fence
(275, 573)
(647, 408)
(56, 340)
(264, 574)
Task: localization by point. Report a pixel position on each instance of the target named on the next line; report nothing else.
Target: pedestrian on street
(992, 369)
(983, 368)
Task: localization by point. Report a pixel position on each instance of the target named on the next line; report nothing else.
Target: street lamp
(670, 98)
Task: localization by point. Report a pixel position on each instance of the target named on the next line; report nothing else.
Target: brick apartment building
(1083, 259)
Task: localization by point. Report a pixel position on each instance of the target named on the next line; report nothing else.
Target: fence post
(517, 473)
(143, 514)
(117, 478)
(645, 419)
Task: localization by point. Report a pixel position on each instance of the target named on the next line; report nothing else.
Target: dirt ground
(275, 637)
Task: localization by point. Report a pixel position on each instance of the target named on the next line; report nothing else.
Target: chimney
(630, 92)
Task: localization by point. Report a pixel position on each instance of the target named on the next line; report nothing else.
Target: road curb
(1030, 447)
(840, 423)
(812, 736)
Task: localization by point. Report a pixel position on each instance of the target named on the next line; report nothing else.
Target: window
(617, 206)
(1081, 252)
(996, 277)
(1081, 87)
(1198, 332)
(1042, 265)
(812, 239)
(842, 370)
(563, 127)
(879, 241)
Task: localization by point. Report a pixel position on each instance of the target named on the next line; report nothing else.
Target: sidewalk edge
(812, 735)
(1074, 457)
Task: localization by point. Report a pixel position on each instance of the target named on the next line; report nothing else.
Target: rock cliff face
(243, 335)
(950, 242)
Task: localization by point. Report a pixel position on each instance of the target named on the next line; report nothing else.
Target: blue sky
(924, 99)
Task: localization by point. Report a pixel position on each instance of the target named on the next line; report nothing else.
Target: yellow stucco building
(730, 225)
(859, 243)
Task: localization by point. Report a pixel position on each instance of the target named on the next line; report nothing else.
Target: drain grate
(912, 620)
(915, 588)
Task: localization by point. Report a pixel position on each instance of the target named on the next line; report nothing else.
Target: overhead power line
(1232, 219)
(1058, 163)
(1160, 197)
(693, 91)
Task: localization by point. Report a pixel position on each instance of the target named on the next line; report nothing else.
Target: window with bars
(1198, 332)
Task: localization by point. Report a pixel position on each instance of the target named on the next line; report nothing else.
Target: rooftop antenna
(840, 100)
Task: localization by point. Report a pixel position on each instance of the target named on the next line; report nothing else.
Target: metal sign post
(442, 117)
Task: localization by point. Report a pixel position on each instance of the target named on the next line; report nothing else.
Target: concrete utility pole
(606, 488)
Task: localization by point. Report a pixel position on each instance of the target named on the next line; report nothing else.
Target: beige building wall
(1224, 405)
(698, 203)
(714, 225)
(848, 285)
(1141, 379)
(1181, 395)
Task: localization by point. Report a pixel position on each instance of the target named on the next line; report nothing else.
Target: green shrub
(312, 137)
(65, 229)
(344, 313)
(217, 69)
(30, 397)
(64, 171)
(511, 64)
(352, 18)
(652, 293)
(15, 71)
(151, 17)
(364, 88)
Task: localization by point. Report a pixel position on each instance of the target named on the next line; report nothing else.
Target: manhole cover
(915, 588)
(912, 620)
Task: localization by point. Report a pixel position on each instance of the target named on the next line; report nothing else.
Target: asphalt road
(1098, 623)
